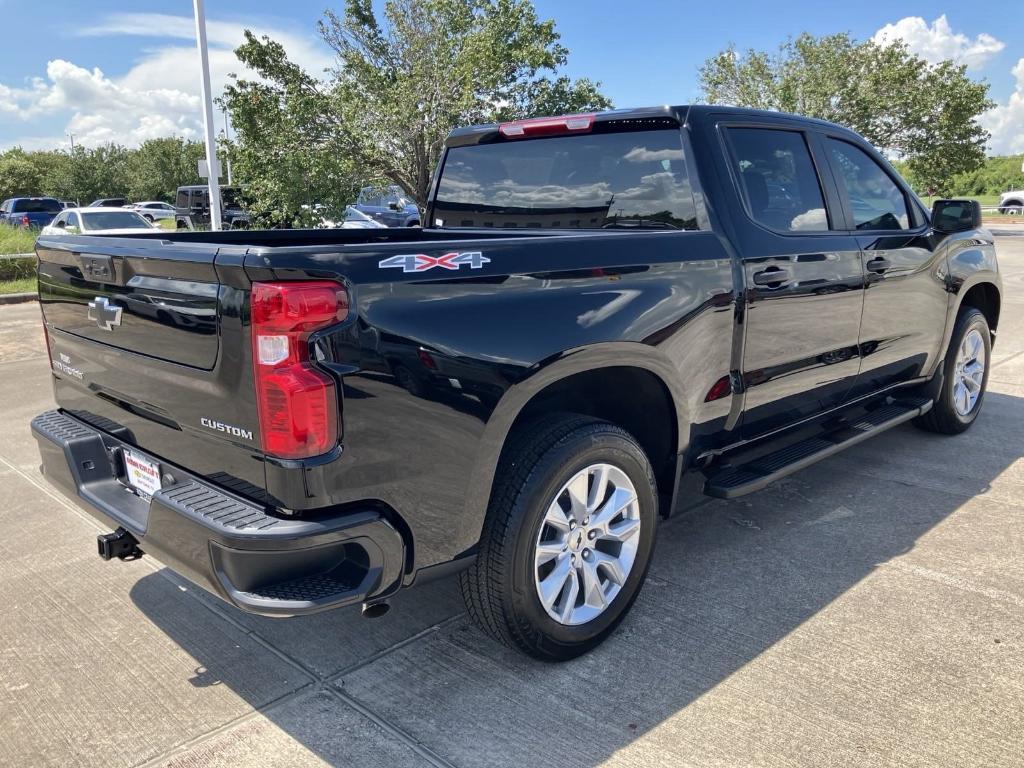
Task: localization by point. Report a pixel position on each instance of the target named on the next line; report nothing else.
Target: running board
(734, 480)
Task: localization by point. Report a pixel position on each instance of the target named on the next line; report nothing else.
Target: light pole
(208, 127)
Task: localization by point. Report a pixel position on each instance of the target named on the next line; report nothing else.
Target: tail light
(26, 221)
(297, 403)
(547, 126)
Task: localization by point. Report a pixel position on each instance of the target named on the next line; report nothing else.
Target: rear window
(114, 220)
(629, 180)
(41, 205)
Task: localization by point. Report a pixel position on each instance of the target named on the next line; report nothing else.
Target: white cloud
(1006, 121)
(158, 96)
(938, 41)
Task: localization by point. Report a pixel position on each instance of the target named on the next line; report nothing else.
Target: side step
(732, 480)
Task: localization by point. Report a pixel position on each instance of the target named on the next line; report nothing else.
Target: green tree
(98, 172)
(158, 167)
(923, 114)
(18, 174)
(400, 84)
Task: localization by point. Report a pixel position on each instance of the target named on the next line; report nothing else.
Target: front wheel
(965, 376)
(568, 538)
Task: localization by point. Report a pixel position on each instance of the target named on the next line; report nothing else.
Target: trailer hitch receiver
(120, 544)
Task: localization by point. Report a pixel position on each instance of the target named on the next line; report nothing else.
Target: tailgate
(162, 307)
(147, 341)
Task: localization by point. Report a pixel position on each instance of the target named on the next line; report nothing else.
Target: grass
(17, 239)
(21, 285)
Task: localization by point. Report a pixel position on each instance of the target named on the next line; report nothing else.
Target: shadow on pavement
(731, 582)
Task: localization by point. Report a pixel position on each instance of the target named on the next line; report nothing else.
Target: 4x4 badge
(420, 262)
(104, 314)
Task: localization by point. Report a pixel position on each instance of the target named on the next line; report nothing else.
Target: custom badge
(420, 262)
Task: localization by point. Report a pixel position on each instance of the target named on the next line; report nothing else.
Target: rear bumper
(224, 543)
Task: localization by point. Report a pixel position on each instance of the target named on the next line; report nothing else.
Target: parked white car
(1012, 202)
(154, 210)
(97, 221)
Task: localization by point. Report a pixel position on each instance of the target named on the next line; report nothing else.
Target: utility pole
(72, 137)
(208, 127)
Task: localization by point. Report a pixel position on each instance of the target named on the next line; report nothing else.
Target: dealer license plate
(143, 474)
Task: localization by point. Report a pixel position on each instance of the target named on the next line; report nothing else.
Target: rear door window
(623, 180)
(875, 200)
(778, 181)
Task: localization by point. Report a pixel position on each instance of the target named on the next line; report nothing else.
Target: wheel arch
(655, 414)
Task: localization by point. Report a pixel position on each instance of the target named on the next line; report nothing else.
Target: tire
(1013, 207)
(502, 588)
(951, 414)
(148, 217)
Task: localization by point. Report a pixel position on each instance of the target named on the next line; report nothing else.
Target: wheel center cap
(577, 539)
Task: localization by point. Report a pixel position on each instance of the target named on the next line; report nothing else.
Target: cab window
(778, 181)
(874, 199)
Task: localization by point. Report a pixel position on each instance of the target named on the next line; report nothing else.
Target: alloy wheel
(587, 544)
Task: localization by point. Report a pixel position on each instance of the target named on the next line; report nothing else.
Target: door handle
(878, 265)
(773, 277)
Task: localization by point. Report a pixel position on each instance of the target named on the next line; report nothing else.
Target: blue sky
(106, 70)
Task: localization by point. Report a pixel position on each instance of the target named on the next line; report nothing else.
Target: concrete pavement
(868, 611)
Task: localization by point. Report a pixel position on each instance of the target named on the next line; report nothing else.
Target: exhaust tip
(375, 610)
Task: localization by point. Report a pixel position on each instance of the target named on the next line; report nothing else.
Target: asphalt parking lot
(867, 611)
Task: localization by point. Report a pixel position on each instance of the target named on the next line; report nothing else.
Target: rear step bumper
(224, 543)
(732, 480)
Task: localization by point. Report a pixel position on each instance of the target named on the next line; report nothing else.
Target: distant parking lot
(867, 611)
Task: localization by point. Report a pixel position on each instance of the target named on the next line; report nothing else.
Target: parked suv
(605, 306)
(389, 206)
(192, 203)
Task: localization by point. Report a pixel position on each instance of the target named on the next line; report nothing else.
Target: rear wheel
(965, 376)
(568, 538)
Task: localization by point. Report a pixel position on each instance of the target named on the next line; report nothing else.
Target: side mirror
(393, 205)
(956, 215)
(60, 224)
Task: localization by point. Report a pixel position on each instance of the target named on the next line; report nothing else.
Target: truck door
(803, 279)
(905, 303)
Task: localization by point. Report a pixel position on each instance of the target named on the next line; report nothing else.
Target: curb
(18, 298)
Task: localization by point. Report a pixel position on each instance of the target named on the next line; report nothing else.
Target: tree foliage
(400, 84)
(151, 171)
(923, 114)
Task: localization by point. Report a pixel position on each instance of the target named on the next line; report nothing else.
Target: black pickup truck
(602, 309)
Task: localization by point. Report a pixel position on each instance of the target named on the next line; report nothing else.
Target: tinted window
(73, 220)
(39, 205)
(777, 176)
(622, 180)
(114, 220)
(875, 200)
(182, 199)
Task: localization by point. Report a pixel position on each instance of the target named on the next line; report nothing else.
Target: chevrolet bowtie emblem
(104, 314)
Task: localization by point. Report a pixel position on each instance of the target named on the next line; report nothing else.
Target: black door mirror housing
(956, 215)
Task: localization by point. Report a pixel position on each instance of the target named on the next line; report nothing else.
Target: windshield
(354, 214)
(40, 205)
(114, 220)
(232, 197)
(632, 179)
